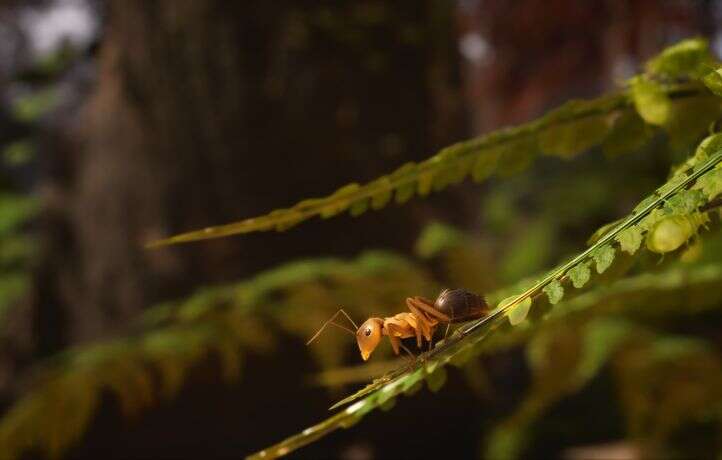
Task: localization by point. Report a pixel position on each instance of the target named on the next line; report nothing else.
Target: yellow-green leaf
(651, 101)
(710, 183)
(382, 198)
(338, 205)
(516, 314)
(359, 207)
(426, 181)
(690, 119)
(713, 81)
(579, 274)
(684, 202)
(517, 156)
(568, 139)
(669, 234)
(436, 238)
(485, 164)
(604, 257)
(436, 379)
(629, 133)
(689, 57)
(629, 239)
(554, 291)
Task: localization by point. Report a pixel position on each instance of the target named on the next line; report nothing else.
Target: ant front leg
(396, 345)
(395, 342)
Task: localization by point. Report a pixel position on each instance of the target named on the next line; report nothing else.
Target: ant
(451, 306)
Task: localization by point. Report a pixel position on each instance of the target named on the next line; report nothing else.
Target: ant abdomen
(461, 305)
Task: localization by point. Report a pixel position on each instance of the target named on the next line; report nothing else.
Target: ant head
(368, 336)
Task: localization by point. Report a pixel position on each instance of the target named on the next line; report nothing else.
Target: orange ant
(451, 306)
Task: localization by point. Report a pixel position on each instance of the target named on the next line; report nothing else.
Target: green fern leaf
(343, 199)
(387, 405)
(580, 274)
(517, 313)
(685, 202)
(516, 156)
(505, 152)
(568, 139)
(436, 379)
(706, 148)
(554, 291)
(630, 239)
(688, 58)
(670, 233)
(601, 337)
(710, 184)
(436, 238)
(604, 257)
(629, 133)
(571, 128)
(713, 81)
(651, 102)
(381, 199)
(690, 120)
(485, 165)
(359, 207)
(603, 230)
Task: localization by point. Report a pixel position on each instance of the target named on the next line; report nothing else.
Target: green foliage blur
(646, 315)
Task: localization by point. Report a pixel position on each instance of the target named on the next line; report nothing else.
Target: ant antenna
(330, 321)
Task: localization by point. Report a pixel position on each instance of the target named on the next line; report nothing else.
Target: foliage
(152, 362)
(564, 132)
(17, 248)
(590, 314)
(471, 339)
(667, 219)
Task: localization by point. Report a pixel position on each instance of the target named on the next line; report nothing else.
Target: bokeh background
(122, 121)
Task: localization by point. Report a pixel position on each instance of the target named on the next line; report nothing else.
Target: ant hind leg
(412, 358)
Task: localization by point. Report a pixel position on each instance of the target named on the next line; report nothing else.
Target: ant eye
(367, 331)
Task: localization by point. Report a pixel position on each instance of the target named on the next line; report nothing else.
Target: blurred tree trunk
(205, 112)
(208, 112)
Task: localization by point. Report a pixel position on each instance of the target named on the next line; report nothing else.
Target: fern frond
(564, 360)
(606, 325)
(568, 130)
(152, 363)
(634, 295)
(466, 338)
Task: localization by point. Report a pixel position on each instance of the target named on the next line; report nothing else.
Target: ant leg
(424, 300)
(424, 322)
(414, 323)
(428, 308)
(395, 342)
(433, 331)
(447, 330)
(412, 356)
(417, 330)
